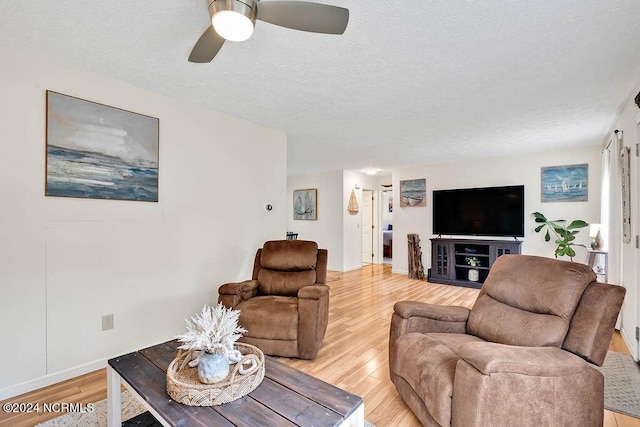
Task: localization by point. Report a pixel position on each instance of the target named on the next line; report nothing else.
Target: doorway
(387, 226)
(367, 227)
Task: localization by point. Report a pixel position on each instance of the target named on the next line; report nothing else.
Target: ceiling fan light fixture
(233, 20)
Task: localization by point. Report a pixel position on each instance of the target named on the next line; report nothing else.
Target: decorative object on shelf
(416, 270)
(474, 274)
(625, 167)
(594, 231)
(472, 261)
(210, 340)
(565, 234)
(184, 386)
(99, 152)
(353, 204)
(305, 204)
(565, 183)
(413, 193)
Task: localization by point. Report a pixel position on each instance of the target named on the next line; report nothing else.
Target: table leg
(114, 410)
(356, 419)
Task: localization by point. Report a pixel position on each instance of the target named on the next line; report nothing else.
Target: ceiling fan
(234, 20)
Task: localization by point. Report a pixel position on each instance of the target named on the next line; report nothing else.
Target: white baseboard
(393, 270)
(50, 379)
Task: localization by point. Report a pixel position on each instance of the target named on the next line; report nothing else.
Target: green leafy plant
(472, 261)
(565, 234)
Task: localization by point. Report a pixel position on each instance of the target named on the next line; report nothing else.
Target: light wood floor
(354, 355)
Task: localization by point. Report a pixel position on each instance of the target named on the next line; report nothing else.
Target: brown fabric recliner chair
(285, 305)
(512, 360)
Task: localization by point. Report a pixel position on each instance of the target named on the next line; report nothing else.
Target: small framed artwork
(305, 204)
(413, 192)
(99, 152)
(564, 183)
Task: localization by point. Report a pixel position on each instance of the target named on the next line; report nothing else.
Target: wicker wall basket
(183, 384)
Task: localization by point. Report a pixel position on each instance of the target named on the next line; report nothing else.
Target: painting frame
(97, 151)
(625, 170)
(565, 183)
(305, 204)
(413, 193)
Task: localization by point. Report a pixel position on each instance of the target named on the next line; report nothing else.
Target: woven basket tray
(184, 386)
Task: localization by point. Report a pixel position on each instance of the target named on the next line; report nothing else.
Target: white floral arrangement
(214, 330)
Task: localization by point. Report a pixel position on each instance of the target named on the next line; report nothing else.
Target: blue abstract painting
(565, 183)
(100, 152)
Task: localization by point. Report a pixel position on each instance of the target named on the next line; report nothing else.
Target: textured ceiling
(408, 83)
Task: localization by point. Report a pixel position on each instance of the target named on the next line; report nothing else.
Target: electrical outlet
(107, 322)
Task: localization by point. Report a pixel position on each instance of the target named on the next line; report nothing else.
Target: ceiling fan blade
(206, 47)
(304, 16)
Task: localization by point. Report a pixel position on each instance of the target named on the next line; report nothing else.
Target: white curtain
(611, 207)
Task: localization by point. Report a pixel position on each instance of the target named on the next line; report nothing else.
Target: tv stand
(449, 259)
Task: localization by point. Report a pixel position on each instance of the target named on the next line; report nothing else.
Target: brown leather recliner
(517, 358)
(285, 305)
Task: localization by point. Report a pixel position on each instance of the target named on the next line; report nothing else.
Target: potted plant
(212, 334)
(565, 234)
(474, 274)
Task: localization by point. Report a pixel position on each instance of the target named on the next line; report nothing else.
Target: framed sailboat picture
(565, 183)
(305, 204)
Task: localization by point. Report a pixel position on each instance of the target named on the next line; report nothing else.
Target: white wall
(496, 172)
(65, 262)
(628, 122)
(327, 229)
(336, 229)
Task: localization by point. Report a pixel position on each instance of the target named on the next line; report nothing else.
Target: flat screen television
(489, 211)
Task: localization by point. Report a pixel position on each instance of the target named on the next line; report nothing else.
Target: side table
(592, 262)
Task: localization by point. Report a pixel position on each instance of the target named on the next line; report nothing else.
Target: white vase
(474, 275)
(212, 368)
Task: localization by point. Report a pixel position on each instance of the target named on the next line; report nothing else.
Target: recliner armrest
(238, 288)
(493, 358)
(407, 309)
(232, 294)
(313, 292)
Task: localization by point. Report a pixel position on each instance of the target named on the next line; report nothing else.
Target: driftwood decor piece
(416, 270)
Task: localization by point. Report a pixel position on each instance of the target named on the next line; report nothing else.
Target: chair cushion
(289, 255)
(532, 309)
(286, 283)
(428, 363)
(270, 317)
(286, 266)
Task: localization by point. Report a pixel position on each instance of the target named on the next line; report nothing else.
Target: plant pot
(474, 275)
(212, 368)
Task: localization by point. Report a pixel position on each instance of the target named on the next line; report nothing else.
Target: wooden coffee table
(286, 396)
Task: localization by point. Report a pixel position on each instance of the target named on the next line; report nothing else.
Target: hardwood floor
(354, 355)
